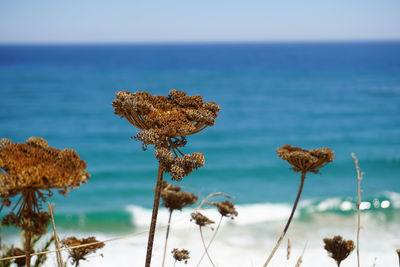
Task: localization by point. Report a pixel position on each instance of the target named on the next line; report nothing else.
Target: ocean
(344, 96)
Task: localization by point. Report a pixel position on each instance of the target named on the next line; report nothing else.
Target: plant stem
(166, 237)
(359, 178)
(205, 248)
(156, 203)
(56, 240)
(303, 177)
(212, 239)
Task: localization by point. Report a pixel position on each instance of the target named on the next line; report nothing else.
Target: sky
(154, 21)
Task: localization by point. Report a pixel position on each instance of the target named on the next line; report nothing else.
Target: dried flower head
(181, 255)
(174, 198)
(80, 253)
(31, 170)
(338, 248)
(200, 219)
(14, 252)
(226, 209)
(179, 167)
(162, 118)
(304, 160)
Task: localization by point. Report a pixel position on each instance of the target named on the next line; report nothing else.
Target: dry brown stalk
(398, 254)
(302, 161)
(359, 191)
(32, 170)
(289, 247)
(338, 248)
(165, 122)
(56, 240)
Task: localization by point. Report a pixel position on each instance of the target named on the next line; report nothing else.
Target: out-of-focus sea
(345, 96)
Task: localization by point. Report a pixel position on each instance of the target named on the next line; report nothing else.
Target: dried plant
(180, 255)
(226, 209)
(202, 221)
(80, 253)
(289, 248)
(174, 199)
(31, 170)
(338, 248)
(165, 121)
(359, 179)
(303, 161)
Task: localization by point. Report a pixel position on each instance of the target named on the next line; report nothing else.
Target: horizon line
(198, 42)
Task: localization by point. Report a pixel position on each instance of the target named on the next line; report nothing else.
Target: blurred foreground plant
(338, 248)
(28, 172)
(165, 121)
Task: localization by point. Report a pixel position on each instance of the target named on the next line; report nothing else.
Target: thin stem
(359, 178)
(28, 246)
(205, 248)
(56, 240)
(166, 237)
(156, 203)
(303, 177)
(212, 239)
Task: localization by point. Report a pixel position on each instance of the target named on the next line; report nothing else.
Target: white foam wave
(248, 214)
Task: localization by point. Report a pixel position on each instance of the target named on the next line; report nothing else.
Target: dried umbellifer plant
(91, 245)
(303, 161)
(174, 199)
(338, 248)
(165, 121)
(180, 255)
(202, 221)
(29, 171)
(226, 209)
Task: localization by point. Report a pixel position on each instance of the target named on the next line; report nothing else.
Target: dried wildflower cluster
(28, 169)
(179, 167)
(226, 209)
(162, 119)
(180, 255)
(80, 253)
(37, 166)
(305, 161)
(338, 248)
(174, 198)
(200, 219)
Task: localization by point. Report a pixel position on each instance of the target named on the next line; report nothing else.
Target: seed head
(305, 161)
(174, 198)
(180, 255)
(200, 219)
(32, 170)
(80, 253)
(226, 209)
(163, 118)
(338, 248)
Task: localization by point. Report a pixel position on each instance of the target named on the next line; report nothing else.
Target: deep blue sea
(344, 96)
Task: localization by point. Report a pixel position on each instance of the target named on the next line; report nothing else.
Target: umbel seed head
(34, 165)
(200, 219)
(226, 209)
(305, 160)
(338, 248)
(174, 198)
(181, 255)
(162, 118)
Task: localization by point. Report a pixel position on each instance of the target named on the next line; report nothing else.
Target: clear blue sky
(122, 21)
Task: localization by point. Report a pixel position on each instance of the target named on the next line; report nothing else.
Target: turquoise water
(345, 96)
